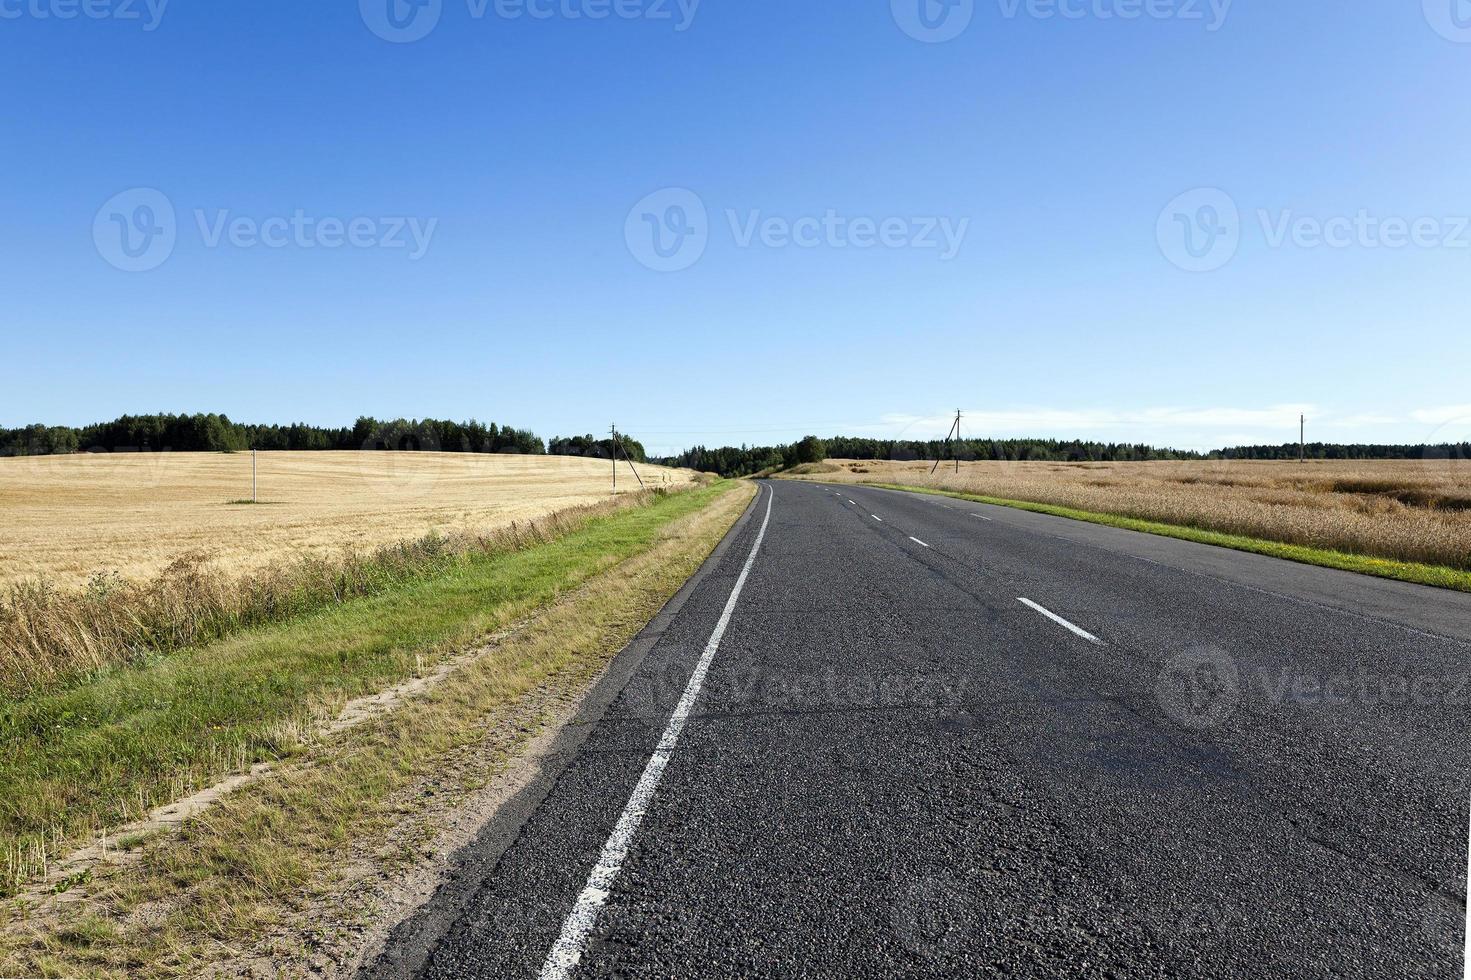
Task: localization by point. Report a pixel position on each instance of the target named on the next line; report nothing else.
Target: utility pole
(254, 483)
(955, 428)
(957, 442)
(1302, 438)
(627, 459)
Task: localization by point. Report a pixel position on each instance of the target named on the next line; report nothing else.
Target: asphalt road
(1169, 761)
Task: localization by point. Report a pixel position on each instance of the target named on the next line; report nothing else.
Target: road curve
(926, 737)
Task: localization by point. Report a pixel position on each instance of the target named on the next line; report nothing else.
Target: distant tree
(810, 450)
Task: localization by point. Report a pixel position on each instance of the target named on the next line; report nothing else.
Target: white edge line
(917, 541)
(572, 943)
(1061, 622)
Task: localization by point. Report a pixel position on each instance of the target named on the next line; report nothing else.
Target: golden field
(1416, 511)
(70, 517)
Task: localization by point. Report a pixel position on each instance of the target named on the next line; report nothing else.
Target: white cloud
(1443, 415)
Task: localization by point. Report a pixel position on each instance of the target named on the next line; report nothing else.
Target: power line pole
(254, 483)
(957, 442)
(1302, 438)
(616, 446)
(955, 428)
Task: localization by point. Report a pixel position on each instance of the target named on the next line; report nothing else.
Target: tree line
(595, 448)
(746, 460)
(217, 433)
(731, 461)
(1328, 450)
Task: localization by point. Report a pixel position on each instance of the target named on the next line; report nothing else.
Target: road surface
(909, 735)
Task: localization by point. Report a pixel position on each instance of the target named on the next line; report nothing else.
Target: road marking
(917, 540)
(980, 518)
(1062, 622)
(877, 518)
(572, 943)
(853, 502)
(1466, 959)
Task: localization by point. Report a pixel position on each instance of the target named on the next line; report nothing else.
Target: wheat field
(68, 518)
(1418, 511)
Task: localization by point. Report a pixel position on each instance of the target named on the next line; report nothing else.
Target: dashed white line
(980, 517)
(877, 518)
(853, 502)
(1061, 622)
(917, 541)
(572, 943)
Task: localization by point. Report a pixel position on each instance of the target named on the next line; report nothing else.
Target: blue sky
(880, 225)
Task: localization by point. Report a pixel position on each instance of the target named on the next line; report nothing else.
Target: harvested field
(69, 518)
(1414, 511)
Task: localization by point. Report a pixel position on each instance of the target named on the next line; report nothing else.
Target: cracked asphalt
(895, 767)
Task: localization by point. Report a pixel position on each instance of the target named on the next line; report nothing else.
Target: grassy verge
(104, 752)
(1403, 571)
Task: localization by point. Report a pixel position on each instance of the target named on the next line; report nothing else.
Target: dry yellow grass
(1415, 511)
(69, 517)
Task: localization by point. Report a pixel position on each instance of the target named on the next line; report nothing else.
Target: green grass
(1403, 571)
(103, 752)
